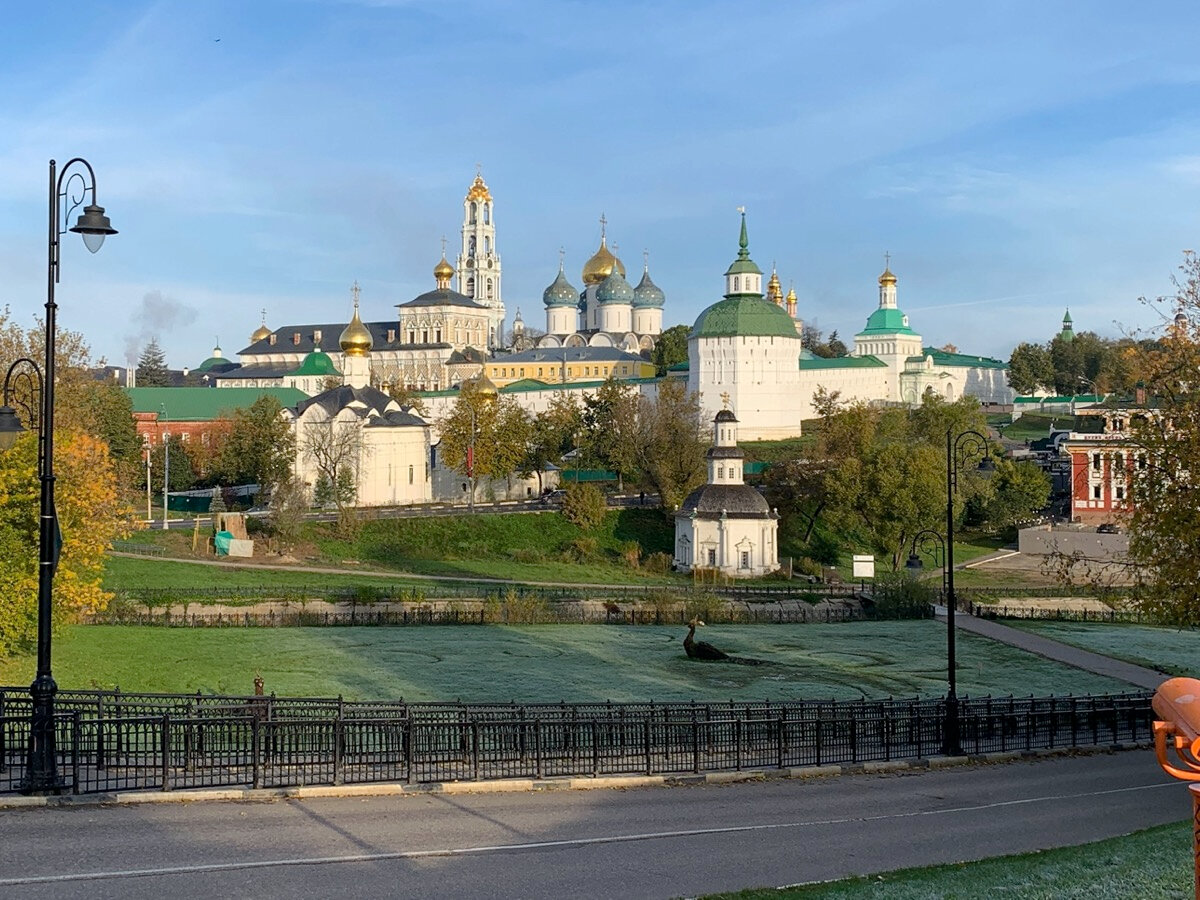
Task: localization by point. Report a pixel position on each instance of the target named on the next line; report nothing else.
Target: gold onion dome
(261, 333)
(478, 190)
(601, 265)
(484, 386)
(443, 270)
(356, 339)
(887, 277)
(791, 295)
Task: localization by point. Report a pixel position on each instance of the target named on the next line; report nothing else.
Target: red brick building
(1102, 459)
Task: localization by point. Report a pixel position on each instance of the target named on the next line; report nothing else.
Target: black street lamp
(959, 449)
(68, 191)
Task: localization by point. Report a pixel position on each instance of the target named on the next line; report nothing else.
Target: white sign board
(864, 566)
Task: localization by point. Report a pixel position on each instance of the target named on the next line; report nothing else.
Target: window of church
(438, 337)
(410, 474)
(424, 337)
(489, 289)
(712, 557)
(474, 212)
(720, 472)
(539, 371)
(745, 559)
(487, 213)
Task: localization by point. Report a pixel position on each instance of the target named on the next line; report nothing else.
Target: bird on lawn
(700, 649)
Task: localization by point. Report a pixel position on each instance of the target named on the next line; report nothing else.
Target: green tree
(496, 431)
(584, 505)
(260, 448)
(670, 348)
(671, 444)
(152, 366)
(608, 439)
(1164, 521)
(183, 475)
(1030, 368)
(1016, 492)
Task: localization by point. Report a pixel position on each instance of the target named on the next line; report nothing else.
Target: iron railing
(115, 741)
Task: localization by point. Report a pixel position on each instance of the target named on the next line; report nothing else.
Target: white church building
(726, 524)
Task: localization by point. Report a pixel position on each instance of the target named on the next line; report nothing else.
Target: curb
(565, 783)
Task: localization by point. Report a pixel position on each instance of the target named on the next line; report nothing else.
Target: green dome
(316, 363)
(560, 292)
(744, 315)
(887, 321)
(615, 289)
(647, 293)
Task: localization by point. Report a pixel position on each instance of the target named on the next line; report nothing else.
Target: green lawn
(1032, 427)
(1170, 649)
(123, 572)
(551, 662)
(1155, 863)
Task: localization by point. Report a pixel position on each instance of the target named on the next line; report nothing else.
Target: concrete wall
(1042, 540)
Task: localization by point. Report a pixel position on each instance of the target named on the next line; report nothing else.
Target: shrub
(658, 563)
(530, 555)
(709, 607)
(582, 550)
(631, 553)
(900, 596)
(811, 567)
(584, 506)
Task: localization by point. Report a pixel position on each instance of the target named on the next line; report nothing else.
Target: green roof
(214, 361)
(942, 358)
(744, 315)
(1067, 398)
(842, 362)
(203, 404)
(743, 264)
(887, 321)
(680, 366)
(316, 363)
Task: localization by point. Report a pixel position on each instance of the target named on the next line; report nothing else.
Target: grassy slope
(1033, 427)
(551, 662)
(131, 572)
(1155, 863)
(528, 546)
(1172, 650)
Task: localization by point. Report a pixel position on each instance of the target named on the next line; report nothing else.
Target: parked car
(1108, 528)
(553, 498)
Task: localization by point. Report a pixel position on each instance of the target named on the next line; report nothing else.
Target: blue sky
(1014, 158)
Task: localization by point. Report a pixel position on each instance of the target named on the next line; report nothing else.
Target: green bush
(584, 506)
(658, 563)
(900, 596)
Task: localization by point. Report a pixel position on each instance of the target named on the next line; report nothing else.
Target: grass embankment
(540, 546)
(551, 662)
(1033, 426)
(1155, 863)
(125, 573)
(1169, 649)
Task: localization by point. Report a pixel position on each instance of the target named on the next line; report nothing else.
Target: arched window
(489, 289)
(471, 287)
(487, 246)
(735, 282)
(474, 211)
(487, 213)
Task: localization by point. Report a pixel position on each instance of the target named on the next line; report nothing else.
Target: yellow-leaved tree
(91, 516)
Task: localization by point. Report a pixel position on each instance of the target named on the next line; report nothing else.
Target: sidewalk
(1064, 653)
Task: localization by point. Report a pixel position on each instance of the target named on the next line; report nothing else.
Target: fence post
(256, 752)
(537, 746)
(595, 749)
(781, 739)
(646, 736)
(339, 748)
(817, 741)
(474, 749)
(737, 742)
(408, 738)
(695, 744)
(165, 747)
(75, 749)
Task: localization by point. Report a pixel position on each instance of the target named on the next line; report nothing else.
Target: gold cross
(725, 399)
(603, 224)
(887, 260)
(354, 293)
(443, 246)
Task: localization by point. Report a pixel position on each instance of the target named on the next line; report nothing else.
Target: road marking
(204, 868)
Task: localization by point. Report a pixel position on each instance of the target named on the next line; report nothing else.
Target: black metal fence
(1116, 616)
(112, 741)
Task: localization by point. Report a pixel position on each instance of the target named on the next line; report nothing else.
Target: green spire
(1067, 316)
(743, 264)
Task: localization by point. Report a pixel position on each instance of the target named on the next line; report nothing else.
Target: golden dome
(478, 190)
(887, 277)
(261, 333)
(774, 289)
(600, 266)
(443, 271)
(483, 386)
(791, 295)
(356, 340)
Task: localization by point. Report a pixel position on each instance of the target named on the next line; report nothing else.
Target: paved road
(671, 842)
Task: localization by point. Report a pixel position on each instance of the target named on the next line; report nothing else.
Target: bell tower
(478, 262)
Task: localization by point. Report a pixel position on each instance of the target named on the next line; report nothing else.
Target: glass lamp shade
(914, 563)
(95, 226)
(10, 427)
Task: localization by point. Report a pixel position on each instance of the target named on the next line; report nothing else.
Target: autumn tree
(152, 366)
(91, 516)
(670, 348)
(553, 433)
(671, 442)
(608, 439)
(260, 447)
(494, 431)
(1164, 522)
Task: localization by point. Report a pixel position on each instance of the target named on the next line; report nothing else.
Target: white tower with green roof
(744, 352)
(888, 336)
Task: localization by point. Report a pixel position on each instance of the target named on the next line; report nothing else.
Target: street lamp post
(149, 508)
(162, 417)
(959, 449)
(68, 190)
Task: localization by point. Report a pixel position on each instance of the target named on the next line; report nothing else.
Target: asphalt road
(657, 842)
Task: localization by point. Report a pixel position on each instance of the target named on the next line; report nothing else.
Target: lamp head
(987, 467)
(10, 427)
(94, 225)
(914, 563)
